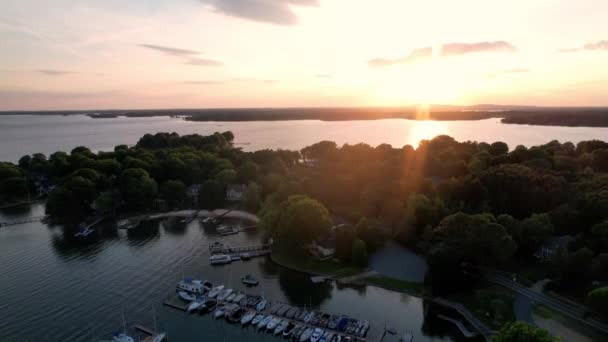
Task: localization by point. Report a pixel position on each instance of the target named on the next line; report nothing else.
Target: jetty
(225, 248)
(22, 221)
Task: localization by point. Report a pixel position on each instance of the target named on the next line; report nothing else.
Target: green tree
(521, 332)
(344, 243)
(302, 220)
(174, 192)
(359, 253)
(248, 172)
(13, 189)
(598, 300)
(212, 195)
(137, 189)
(227, 176)
(253, 199)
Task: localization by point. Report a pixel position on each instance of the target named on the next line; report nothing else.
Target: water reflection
(147, 231)
(175, 226)
(300, 290)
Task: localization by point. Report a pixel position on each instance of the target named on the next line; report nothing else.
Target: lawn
(396, 284)
(305, 263)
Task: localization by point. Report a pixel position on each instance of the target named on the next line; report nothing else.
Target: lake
(57, 288)
(27, 134)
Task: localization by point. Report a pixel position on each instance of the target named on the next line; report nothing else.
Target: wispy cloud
(171, 51)
(204, 62)
(203, 82)
(54, 72)
(601, 45)
(270, 81)
(414, 56)
(323, 76)
(457, 49)
(278, 12)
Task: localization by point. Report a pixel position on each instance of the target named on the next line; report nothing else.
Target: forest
(466, 205)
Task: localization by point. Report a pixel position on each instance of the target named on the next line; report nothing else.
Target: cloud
(203, 82)
(456, 49)
(270, 81)
(601, 45)
(171, 51)
(204, 62)
(277, 12)
(323, 76)
(53, 72)
(509, 72)
(414, 56)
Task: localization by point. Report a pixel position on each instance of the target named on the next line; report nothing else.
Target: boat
(122, 337)
(306, 335)
(364, 329)
(263, 323)
(239, 297)
(219, 312)
(196, 305)
(220, 259)
(273, 324)
(276, 308)
(210, 304)
(231, 297)
(330, 336)
(333, 322)
(291, 312)
(341, 326)
(159, 337)
(247, 317)
(297, 331)
(316, 335)
(215, 291)
(291, 327)
(309, 317)
(194, 285)
(128, 224)
(222, 296)
(324, 319)
(236, 315)
(282, 325)
(224, 230)
(301, 315)
(84, 232)
(249, 280)
(188, 297)
(261, 305)
(283, 310)
(257, 319)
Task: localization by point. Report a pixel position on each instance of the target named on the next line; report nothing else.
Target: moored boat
(261, 305)
(231, 297)
(219, 312)
(209, 306)
(215, 291)
(222, 296)
(316, 335)
(194, 285)
(263, 323)
(273, 324)
(249, 280)
(196, 305)
(282, 325)
(247, 317)
(256, 320)
(239, 298)
(220, 259)
(306, 335)
(289, 329)
(186, 296)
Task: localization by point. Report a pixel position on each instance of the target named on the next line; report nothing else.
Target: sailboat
(122, 337)
(158, 337)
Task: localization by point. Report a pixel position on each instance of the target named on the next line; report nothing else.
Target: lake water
(27, 134)
(57, 288)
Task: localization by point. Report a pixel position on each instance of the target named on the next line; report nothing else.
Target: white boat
(261, 305)
(316, 335)
(159, 338)
(231, 297)
(289, 329)
(265, 322)
(189, 297)
(122, 338)
(309, 317)
(273, 324)
(219, 312)
(215, 291)
(247, 317)
(197, 304)
(194, 285)
(239, 297)
(249, 280)
(257, 319)
(306, 335)
(222, 296)
(220, 259)
(282, 325)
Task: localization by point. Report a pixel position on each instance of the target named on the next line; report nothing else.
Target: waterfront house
(235, 192)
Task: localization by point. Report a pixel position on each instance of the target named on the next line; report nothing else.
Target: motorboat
(333, 322)
(301, 315)
(297, 332)
(215, 291)
(316, 335)
(220, 259)
(281, 327)
(291, 312)
(257, 319)
(283, 310)
(194, 285)
(273, 324)
(188, 297)
(236, 315)
(222, 296)
(290, 328)
(324, 319)
(309, 317)
(263, 323)
(196, 305)
(231, 297)
(84, 232)
(261, 305)
(122, 337)
(330, 336)
(209, 305)
(364, 329)
(239, 297)
(306, 335)
(219, 312)
(247, 317)
(249, 280)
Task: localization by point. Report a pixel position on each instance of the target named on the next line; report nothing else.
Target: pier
(22, 221)
(224, 248)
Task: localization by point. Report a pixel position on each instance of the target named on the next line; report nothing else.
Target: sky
(116, 54)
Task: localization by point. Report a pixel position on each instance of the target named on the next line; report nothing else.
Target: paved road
(571, 310)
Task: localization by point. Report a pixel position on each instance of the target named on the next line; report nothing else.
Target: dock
(22, 221)
(224, 248)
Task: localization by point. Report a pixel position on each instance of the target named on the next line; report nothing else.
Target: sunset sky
(98, 54)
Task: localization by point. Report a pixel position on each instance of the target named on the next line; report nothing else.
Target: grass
(396, 284)
(547, 313)
(305, 263)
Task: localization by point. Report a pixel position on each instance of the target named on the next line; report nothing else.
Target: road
(574, 311)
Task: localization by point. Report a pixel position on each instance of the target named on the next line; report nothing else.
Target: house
(320, 252)
(551, 246)
(192, 194)
(235, 192)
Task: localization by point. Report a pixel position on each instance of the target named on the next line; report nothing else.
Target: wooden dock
(224, 248)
